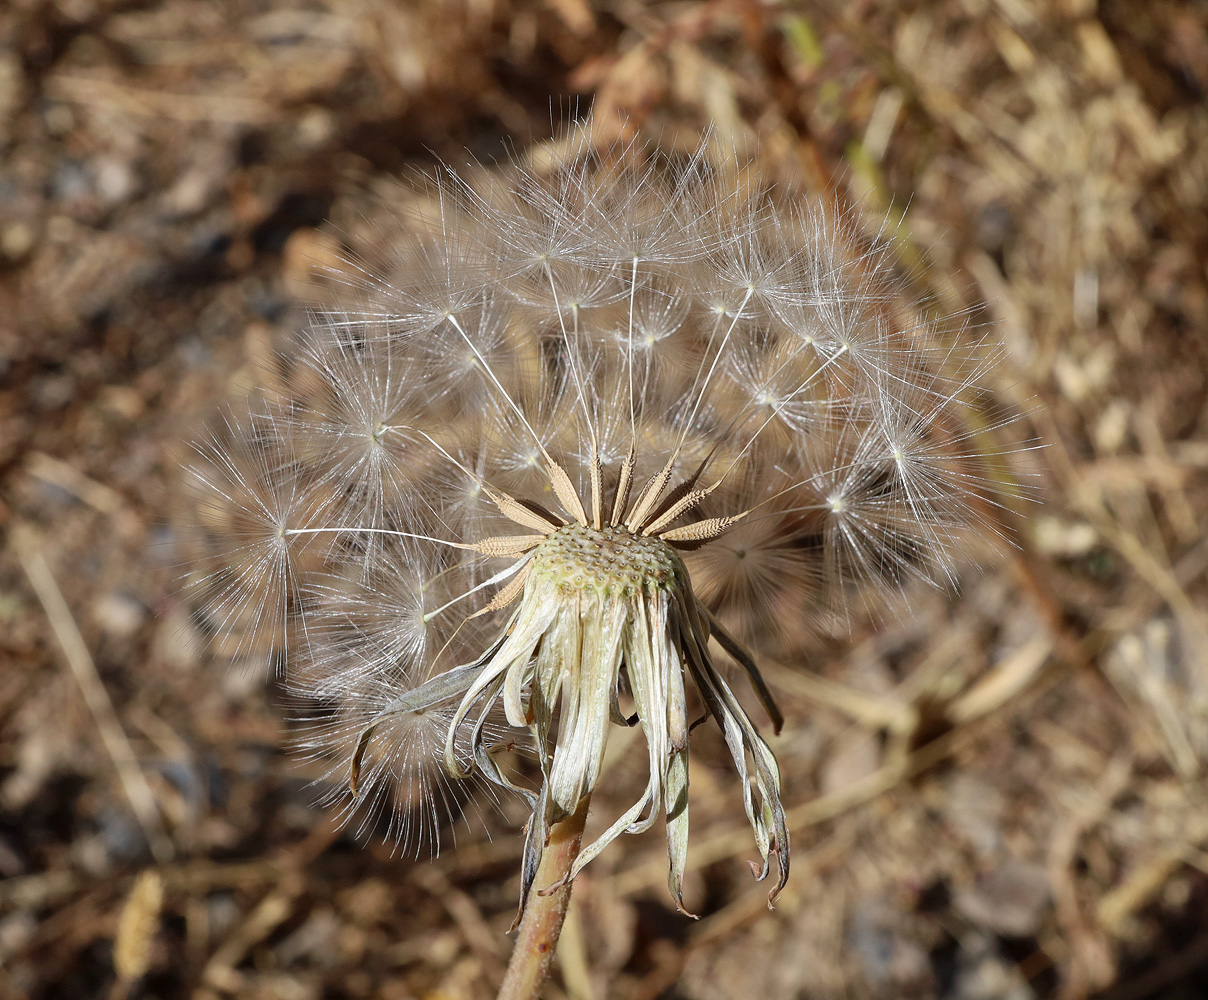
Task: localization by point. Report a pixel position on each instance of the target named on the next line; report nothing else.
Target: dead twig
(83, 669)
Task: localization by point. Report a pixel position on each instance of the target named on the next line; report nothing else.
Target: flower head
(581, 430)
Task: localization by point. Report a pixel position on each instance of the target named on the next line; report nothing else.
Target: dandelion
(583, 431)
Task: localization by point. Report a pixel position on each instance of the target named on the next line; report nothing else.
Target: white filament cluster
(624, 342)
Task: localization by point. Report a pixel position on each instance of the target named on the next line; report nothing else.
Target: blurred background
(993, 794)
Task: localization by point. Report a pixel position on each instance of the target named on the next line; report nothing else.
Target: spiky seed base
(610, 562)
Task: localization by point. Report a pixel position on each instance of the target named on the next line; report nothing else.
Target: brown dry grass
(998, 795)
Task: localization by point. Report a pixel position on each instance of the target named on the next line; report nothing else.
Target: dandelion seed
(590, 427)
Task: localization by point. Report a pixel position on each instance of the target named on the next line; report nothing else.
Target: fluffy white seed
(664, 349)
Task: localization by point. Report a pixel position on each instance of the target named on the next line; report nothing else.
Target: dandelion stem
(544, 911)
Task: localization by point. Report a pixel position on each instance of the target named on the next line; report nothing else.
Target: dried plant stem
(75, 651)
(544, 913)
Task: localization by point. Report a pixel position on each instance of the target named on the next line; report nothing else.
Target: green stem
(543, 914)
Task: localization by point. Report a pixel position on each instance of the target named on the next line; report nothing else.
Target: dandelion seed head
(574, 429)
